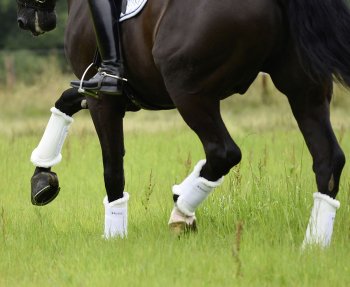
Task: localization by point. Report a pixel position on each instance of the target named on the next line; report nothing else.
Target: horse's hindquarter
(216, 47)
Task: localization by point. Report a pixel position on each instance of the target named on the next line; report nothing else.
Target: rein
(38, 5)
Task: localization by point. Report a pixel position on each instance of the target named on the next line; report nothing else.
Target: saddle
(131, 8)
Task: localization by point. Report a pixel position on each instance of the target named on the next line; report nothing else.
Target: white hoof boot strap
(320, 228)
(48, 152)
(194, 190)
(116, 217)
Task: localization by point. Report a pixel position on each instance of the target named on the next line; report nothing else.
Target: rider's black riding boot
(108, 79)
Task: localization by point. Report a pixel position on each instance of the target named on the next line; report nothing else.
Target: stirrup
(88, 92)
(81, 90)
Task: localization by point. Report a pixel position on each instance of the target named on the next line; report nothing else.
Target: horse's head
(37, 16)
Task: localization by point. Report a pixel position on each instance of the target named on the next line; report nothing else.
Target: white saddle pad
(133, 7)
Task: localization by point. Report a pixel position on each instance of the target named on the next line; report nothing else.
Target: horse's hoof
(45, 188)
(180, 223)
(182, 228)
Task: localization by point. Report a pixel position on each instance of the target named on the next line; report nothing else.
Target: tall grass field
(249, 230)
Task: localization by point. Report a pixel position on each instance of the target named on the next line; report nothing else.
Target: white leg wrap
(194, 190)
(48, 152)
(116, 217)
(320, 228)
(179, 188)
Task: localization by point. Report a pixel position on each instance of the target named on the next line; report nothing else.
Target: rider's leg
(107, 80)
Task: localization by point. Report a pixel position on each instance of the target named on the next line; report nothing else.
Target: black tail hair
(321, 31)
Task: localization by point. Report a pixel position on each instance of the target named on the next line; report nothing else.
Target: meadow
(249, 230)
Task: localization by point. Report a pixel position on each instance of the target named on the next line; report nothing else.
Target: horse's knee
(70, 102)
(220, 160)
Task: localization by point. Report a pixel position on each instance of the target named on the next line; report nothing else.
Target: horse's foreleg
(44, 182)
(328, 162)
(107, 114)
(203, 117)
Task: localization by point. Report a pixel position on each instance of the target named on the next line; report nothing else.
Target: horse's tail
(321, 31)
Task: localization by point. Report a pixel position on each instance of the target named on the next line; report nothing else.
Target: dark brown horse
(189, 56)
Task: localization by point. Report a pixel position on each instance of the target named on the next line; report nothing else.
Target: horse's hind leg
(44, 182)
(202, 114)
(310, 105)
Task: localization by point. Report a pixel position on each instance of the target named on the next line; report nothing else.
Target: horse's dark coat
(190, 55)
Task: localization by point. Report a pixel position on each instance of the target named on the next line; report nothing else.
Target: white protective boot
(320, 228)
(116, 217)
(192, 192)
(48, 152)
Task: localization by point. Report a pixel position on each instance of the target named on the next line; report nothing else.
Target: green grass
(269, 195)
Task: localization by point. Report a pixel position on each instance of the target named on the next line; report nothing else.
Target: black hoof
(45, 188)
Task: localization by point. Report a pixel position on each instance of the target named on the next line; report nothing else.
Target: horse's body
(190, 57)
(146, 49)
